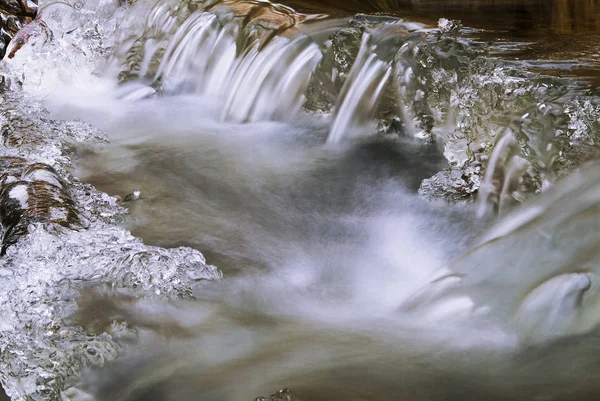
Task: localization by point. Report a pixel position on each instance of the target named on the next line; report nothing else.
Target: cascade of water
(536, 271)
(503, 176)
(361, 92)
(547, 293)
(145, 33)
(199, 57)
(411, 89)
(208, 57)
(270, 83)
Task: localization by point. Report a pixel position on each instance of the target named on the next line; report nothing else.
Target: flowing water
(294, 146)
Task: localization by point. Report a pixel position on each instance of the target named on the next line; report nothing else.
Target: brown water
(517, 17)
(551, 30)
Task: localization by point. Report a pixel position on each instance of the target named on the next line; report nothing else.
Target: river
(403, 206)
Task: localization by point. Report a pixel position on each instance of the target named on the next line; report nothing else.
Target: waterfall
(256, 76)
(198, 58)
(503, 176)
(339, 278)
(361, 92)
(548, 288)
(269, 83)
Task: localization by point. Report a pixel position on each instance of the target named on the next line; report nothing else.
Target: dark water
(515, 17)
(556, 31)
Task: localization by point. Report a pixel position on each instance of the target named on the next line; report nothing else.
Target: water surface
(335, 267)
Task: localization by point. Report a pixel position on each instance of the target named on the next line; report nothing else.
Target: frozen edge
(41, 276)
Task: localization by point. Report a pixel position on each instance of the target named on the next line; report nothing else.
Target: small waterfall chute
(503, 176)
(269, 83)
(198, 57)
(360, 94)
(256, 79)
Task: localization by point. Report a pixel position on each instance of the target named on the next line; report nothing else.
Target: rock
(36, 31)
(449, 26)
(13, 16)
(25, 202)
(452, 184)
(281, 395)
(340, 54)
(136, 195)
(32, 193)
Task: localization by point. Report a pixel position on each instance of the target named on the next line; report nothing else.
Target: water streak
(359, 96)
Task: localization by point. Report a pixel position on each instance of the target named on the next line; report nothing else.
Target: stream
(400, 205)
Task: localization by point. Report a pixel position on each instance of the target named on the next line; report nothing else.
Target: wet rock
(13, 16)
(281, 395)
(582, 139)
(449, 26)
(59, 236)
(453, 185)
(36, 195)
(451, 92)
(11, 167)
(135, 195)
(259, 21)
(36, 33)
(340, 55)
(447, 90)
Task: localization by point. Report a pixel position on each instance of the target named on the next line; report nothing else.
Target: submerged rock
(281, 395)
(453, 185)
(35, 194)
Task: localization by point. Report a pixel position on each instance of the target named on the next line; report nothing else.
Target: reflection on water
(521, 17)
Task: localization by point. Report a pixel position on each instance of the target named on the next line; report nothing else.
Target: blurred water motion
(293, 148)
(350, 333)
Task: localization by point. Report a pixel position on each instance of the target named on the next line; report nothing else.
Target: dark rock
(29, 194)
(3, 396)
(14, 14)
(135, 195)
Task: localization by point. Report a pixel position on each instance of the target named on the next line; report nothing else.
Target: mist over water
(291, 149)
(323, 250)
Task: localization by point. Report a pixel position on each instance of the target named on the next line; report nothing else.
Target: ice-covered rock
(63, 237)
